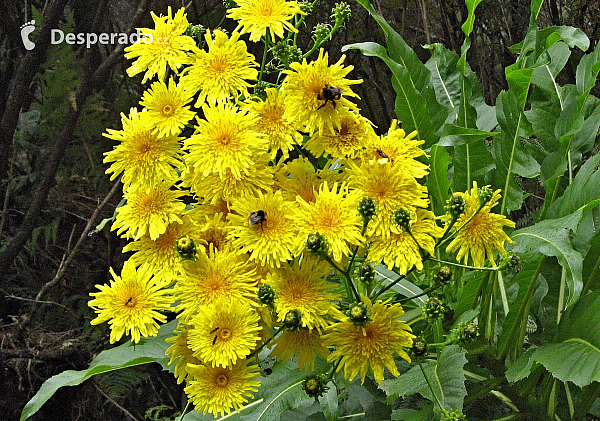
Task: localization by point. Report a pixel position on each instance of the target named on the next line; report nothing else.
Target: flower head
(371, 345)
(131, 304)
(180, 351)
(142, 157)
(222, 71)
(271, 240)
(149, 211)
(483, 233)
(225, 140)
(334, 215)
(299, 178)
(260, 16)
(304, 84)
(342, 141)
(224, 332)
(167, 47)
(166, 105)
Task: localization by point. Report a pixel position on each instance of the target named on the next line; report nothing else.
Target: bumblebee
(329, 93)
(257, 217)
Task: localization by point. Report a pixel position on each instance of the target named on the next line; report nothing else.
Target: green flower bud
(444, 274)
(292, 320)
(419, 348)
(195, 31)
(455, 206)
(359, 314)
(186, 248)
(433, 309)
(366, 273)
(315, 385)
(366, 209)
(470, 331)
(455, 415)
(229, 4)
(316, 244)
(321, 31)
(401, 217)
(341, 12)
(485, 194)
(266, 295)
(509, 261)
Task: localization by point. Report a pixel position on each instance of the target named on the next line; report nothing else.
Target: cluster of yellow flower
(219, 220)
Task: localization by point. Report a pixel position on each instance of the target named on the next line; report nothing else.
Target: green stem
(265, 343)
(333, 368)
(364, 229)
(425, 292)
(561, 295)
(445, 240)
(348, 282)
(569, 399)
(264, 59)
(184, 410)
(437, 400)
(503, 293)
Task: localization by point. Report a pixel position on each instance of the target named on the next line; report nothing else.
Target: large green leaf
(126, 355)
(471, 162)
(446, 377)
(445, 78)
(438, 184)
(545, 76)
(329, 403)
(455, 135)
(591, 264)
(583, 191)
(587, 73)
(585, 138)
(574, 355)
(470, 291)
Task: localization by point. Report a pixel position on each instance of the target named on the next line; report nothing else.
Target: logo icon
(26, 29)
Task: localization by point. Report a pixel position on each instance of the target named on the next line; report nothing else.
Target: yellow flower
(260, 16)
(219, 389)
(225, 140)
(224, 332)
(214, 187)
(352, 135)
(168, 46)
(221, 72)
(141, 156)
(271, 241)
(213, 232)
(150, 210)
(305, 289)
(483, 233)
(390, 187)
(334, 215)
(304, 86)
(398, 249)
(167, 112)
(160, 254)
(304, 343)
(212, 275)
(399, 149)
(280, 130)
(181, 352)
(371, 345)
(298, 178)
(131, 304)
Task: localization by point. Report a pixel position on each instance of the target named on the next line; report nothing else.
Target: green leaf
(584, 139)
(446, 377)
(403, 287)
(545, 76)
(574, 356)
(551, 237)
(438, 184)
(591, 264)
(587, 73)
(467, 27)
(455, 135)
(582, 192)
(126, 355)
(469, 293)
(409, 415)
(471, 162)
(329, 403)
(444, 76)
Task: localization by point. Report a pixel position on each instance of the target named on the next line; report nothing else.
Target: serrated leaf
(574, 356)
(438, 183)
(446, 377)
(583, 191)
(126, 355)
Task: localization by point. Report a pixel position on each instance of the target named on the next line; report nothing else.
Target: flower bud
(195, 31)
(419, 348)
(455, 206)
(316, 244)
(509, 261)
(186, 248)
(366, 209)
(292, 320)
(315, 385)
(266, 295)
(341, 12)
(444, 274)
(485, 194)
(455, 415)
(401, 217)
(366, 273)
(433, 308)
(470, 331)
(321, 32)
(359, 314)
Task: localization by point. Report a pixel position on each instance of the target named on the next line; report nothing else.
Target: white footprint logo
(26, 29)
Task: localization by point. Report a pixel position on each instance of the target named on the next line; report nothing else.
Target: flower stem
(265, 343)
(350, 288)
(494, 269)
(437, 400)
(184, 410)
(264, 59)
(451, 236)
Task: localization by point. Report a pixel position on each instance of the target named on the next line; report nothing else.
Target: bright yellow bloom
(160, 254)
(216, 274)
(220, 389)
(399, 149)
(483, 233)
(344, 141)
(390, 187)
(224, 332)
(213, 232)
(306, 290)
(221, 72)
(167, 111)
(260, 16)
(150, 210)
(304, 343)
(371, 345)
(280, 130)
(141, 156)
(181, 352)
(168, 46)
(334, 215)
(131, 304)
(272, 241)
(298, 178)
(304, 86)
(398, 249)
(225, 140)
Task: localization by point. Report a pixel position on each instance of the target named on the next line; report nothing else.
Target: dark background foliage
(55, 103)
